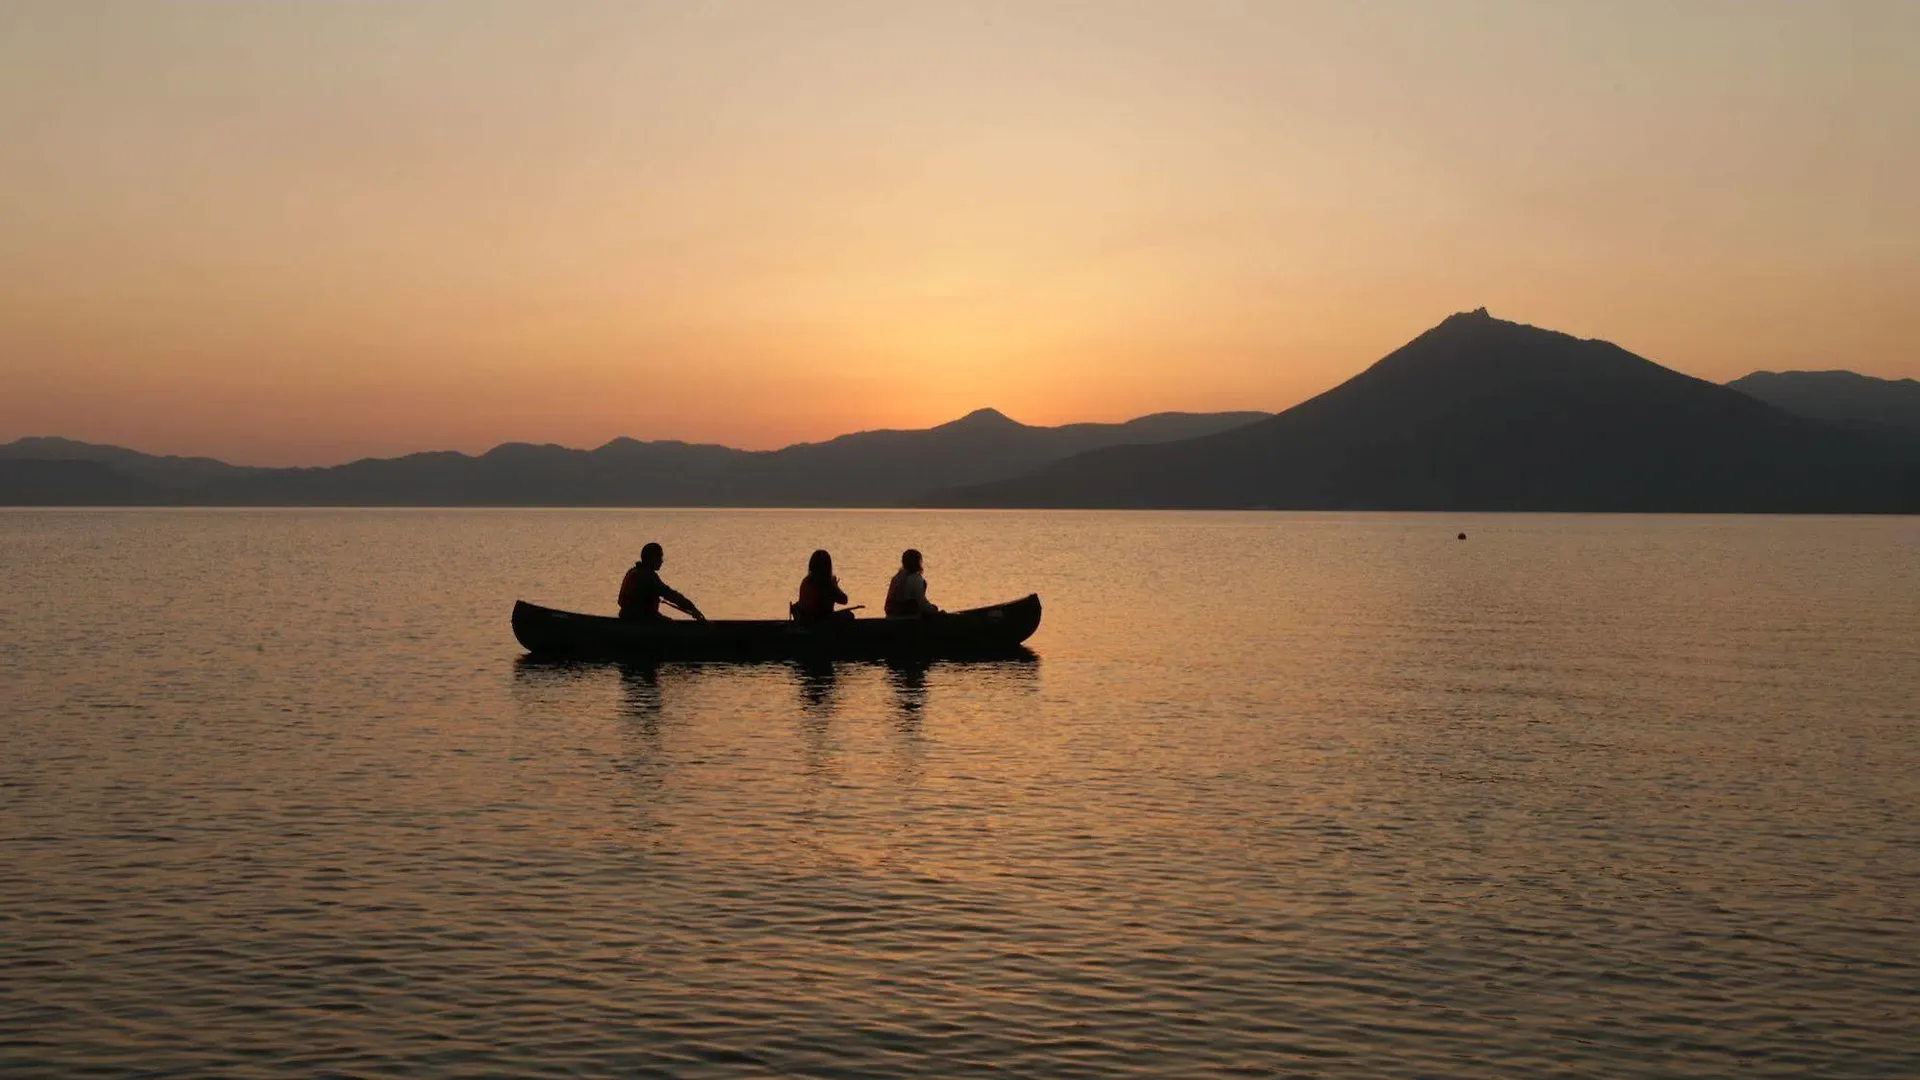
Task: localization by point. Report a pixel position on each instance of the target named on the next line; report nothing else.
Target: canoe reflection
(818, 686)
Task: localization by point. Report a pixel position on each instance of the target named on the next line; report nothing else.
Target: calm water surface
(1281, 795)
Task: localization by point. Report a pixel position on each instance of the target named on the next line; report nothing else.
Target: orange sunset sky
(290, 233)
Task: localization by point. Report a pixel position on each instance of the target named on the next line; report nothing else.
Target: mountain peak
(1472, 354)
(1480, 321)
(984, 418)
(1477, 330)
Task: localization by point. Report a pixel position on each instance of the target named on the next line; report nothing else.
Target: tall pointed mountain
(1483, 414)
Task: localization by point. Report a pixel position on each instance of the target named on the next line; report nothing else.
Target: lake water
(1282, 794)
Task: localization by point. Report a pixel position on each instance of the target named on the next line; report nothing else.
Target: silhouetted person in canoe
(820, 591)
(907, 592)
(642, 590)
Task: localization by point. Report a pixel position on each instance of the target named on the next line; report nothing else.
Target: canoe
(987, 631)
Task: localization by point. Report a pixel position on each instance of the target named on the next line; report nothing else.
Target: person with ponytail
(820, 591)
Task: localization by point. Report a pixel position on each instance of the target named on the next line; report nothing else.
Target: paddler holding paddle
(642, 590)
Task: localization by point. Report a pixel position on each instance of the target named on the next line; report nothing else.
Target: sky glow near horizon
(302, 233)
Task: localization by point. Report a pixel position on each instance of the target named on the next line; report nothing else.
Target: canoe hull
(989, 631)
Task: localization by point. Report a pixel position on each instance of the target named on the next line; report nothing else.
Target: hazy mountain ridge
(1885, 409)
(72, 482)
(164, 469)
(872, 468)
(1483, 414)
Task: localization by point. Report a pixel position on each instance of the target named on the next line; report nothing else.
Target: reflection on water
(816, 683)
(1596, 796)
(646, 688)
(909, 681)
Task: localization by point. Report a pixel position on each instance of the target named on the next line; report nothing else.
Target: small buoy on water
(1463, 536)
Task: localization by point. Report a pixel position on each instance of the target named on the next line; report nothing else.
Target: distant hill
(1888, 409)
(621, 473)
(166, 471)
(27, 482)
(873, 468)
(891, 468)
(1483, 414)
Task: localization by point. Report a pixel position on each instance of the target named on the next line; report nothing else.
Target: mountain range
(1477, 413)
(869, 468)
